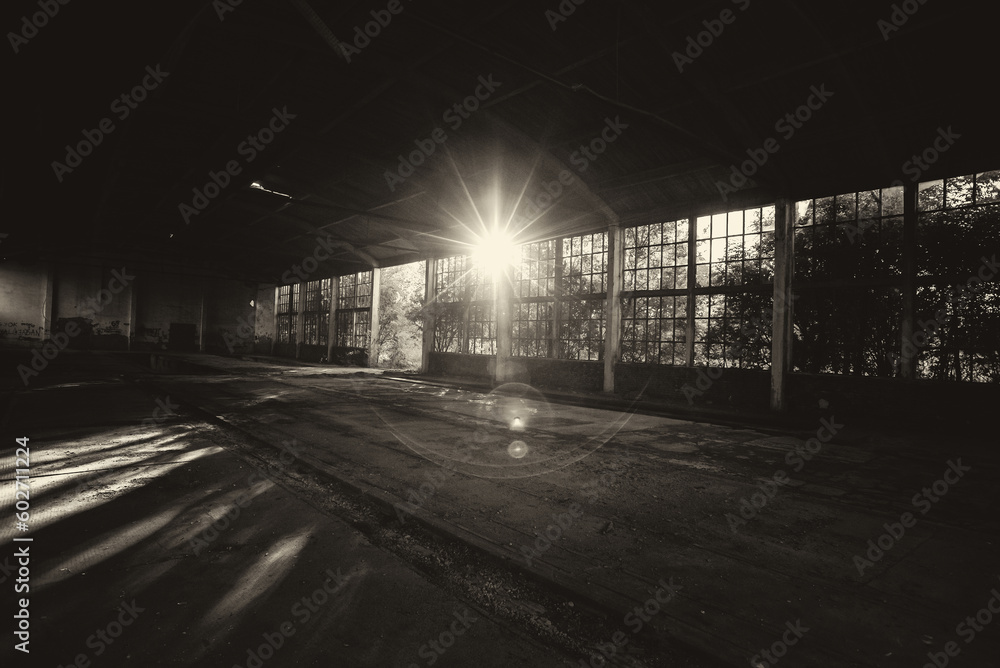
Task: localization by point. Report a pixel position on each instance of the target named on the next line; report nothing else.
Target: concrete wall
(461, 366)
(577, 375)
(265, 326)
(229, 317)
(941, 403)
(118, 308)
(100, 301)
(693, 387)
(25, 304)
(168, 314)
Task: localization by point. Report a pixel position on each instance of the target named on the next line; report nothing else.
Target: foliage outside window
(560, 289)
(317, 312)
(288, 305)
(733, 262)
(734, 276)
(463, 308)
(848, 283)
(354, 302)
(654, 297)
(957, 330)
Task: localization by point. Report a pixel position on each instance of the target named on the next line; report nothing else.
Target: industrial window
(655, 330)
(656, 256)
(559, 290)
(317, 312)
(856, 236)
(465, 319)
(354, 302)
(288, 309)
(848, 261)
(534, 293)
(735, 248)
(734, 273)
(655, 295)
(957, 301)
(532, 323)
(582, 292)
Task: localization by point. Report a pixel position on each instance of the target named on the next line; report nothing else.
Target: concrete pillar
(613, 305)
(133, 304)
(907, 360)
(376, 310)
(692, 279)
(430, 290)
(48, 304)
(331, 337)
(784, 267)
(300, 319)
(274, 316)
(555, 322)
(201, 323)
(503, 303)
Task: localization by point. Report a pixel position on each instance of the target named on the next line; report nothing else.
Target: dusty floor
(547, 523)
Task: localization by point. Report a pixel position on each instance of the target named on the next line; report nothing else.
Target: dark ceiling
(676, 133)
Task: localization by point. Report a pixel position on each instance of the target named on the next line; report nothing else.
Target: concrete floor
(432, 505)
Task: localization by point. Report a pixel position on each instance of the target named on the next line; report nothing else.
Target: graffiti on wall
(24, 331)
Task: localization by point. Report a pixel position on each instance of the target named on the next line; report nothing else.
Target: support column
(274, 319)
(201, 323)
(555, 321)
(331, 332)
(613, 305)
(503, 298)
(784, 267)
(300, 319)
(48, 305)
(908, 353)
(430, 289)
(133, 303)
(376, 309)
(692, 280)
